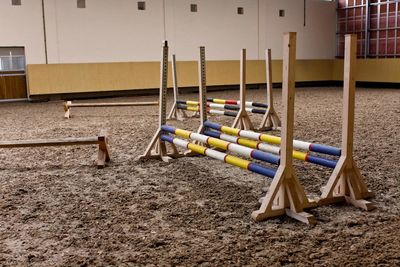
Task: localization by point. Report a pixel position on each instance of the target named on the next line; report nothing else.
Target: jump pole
(189, 105)
(346, 182)
(68, 105)
(285, 194)
(175, 113)
(270, 119)
(103, 154)
(242, 120)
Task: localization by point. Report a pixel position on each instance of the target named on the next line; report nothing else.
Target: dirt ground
(58, 209)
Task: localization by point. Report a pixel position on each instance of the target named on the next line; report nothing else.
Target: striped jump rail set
(285, 195)
(213, 108)
(250, 144)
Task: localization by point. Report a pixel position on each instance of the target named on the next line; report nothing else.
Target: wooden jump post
(202, 88)
(242, 120)
(286, 195)
(103, 155)
(68, 105)
(157, 148)
(175, 113)
(346, 182)
(270, 120)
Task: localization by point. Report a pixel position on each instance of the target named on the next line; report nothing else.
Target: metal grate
(376, 23)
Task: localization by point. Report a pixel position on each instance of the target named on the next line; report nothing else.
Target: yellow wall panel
(91, 77)
(371, 70)
(100, 77)
(313, 70)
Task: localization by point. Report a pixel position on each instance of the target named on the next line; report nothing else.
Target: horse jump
(227, 109)
(103, 154)
(68, 105)
(270, 119)
(285, 195)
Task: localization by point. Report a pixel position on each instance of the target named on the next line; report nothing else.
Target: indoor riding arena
(200, 133)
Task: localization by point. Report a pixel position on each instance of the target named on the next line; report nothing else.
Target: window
(16, 2)
(376, 23)
(240, 10)
(81, 3)
(193, 7)
(281, 13)
(12, 59)
(141, 5)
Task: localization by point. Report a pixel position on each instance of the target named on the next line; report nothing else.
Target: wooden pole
(68, 105)
(346, 182)
(121, 104)
(286, 195)
(101, 141)
(270, 120)
(242, 120)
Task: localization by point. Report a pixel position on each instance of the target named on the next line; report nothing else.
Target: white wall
(114, 30)
(104, 31)
(216, 25)
(316, 40)
(23, 26)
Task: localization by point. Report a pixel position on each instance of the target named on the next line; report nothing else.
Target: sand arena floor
(57, 209)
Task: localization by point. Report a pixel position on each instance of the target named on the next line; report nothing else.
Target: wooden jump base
(103, 154)
(270, 119)
(285, 195)
(68, 105)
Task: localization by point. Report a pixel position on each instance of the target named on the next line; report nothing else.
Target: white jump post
(270, 120)
(346, 182)
(103, 154)
(175, 113)
(286, 195)
(242, 120)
